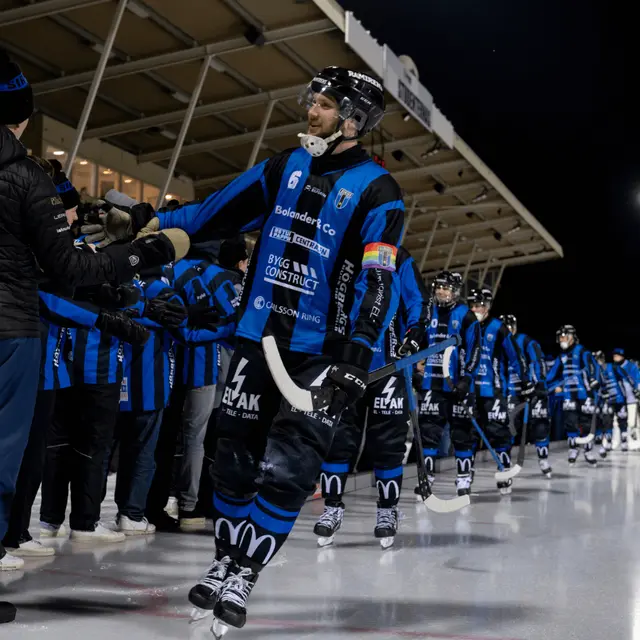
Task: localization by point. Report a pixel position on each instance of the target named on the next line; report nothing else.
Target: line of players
(497, 368)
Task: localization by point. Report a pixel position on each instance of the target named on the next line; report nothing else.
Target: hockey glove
(170, 315)
(110, 297)
(528, 388)
(593, 384)
(412, 341)
(202, 317)
(462, 387)
(541, 390)
(119, 325)
(348, 378)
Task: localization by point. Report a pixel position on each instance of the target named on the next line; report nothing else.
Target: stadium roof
(249, 59)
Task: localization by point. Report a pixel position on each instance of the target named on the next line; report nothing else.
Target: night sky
(541, 90)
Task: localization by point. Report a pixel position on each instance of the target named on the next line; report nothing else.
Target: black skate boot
(231, 606)
(463, 484)
(204, 594)
(329, 523)
(386, 525)
(589, 456)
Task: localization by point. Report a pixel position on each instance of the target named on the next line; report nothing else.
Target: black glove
(528, 388)
(203, 317)
(636, 393)
(593, 383)
(110, 297)
(461, 389)
(541, 390)
(412, 341)
(348, 377)
(120, 325)
(167, 314)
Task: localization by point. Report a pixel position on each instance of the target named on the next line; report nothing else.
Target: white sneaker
(31, 549)
(52, 531)
(100, 534)
(132, 528)
(11, 563)
(172, 507)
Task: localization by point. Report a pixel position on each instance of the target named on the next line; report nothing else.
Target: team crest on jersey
(455, 324)
(490, 337)
(342, 199)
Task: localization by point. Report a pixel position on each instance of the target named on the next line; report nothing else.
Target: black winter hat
(67, 192)
(16, 95)
(232, 251)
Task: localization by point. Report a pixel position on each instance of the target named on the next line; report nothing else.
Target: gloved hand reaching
(412, 341)
(203, 317)
(528, 389)
(120, 325)
(167, 314)
(594, 384)
(462, 387)
(348, 377)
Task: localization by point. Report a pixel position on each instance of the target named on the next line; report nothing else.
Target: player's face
(444, 295)
(513, 330)
(566, 340)
(481, 311)
(322, 116)
(618, 358)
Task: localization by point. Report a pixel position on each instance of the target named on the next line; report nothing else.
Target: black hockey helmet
(567, 330)
(449, 280)
(360, 97)
(480, 296)
(511, 321)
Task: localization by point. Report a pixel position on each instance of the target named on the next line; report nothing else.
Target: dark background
(544, 92)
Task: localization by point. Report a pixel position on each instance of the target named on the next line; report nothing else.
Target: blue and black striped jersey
(571, 370)
(535, 363)
(412, 303)
(57, 315)
(445, 323)
(612, 384)
(498, 353)
(199, 282)
(322, 269)
(150, 368)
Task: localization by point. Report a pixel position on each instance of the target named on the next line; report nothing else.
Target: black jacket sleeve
(51, 241)
(471, 334)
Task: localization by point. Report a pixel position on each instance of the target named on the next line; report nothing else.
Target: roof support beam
(193, 101)
(260, 139)
(185, 55)
(419, 172)
(469, 261)
(407, 223)
(496, 284)
(427, 247)
(42, 10)
(95, 84)
(214, 108)
(452, 250)
(502, 252)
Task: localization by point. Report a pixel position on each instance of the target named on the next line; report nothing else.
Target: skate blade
(387, 543)
(325, 542)
(586, 439)
(548, 475)
(506, 491)
(507, 474)
(219, 629)
(198, 614)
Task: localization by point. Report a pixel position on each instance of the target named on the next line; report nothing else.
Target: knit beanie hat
(16, 95)
(67, 192)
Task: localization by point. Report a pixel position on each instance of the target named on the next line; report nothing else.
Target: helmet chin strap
(317, 146)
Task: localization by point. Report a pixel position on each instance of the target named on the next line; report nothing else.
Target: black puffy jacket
(35, 238)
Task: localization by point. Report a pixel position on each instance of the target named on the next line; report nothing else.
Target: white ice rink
(558, 560)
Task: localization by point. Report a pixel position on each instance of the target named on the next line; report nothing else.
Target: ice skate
(545, 467)
(231, 606)
(328, 524)
(386, 525)
(463, 484)
(219, 629)
(505, 487)
(204, 594)
(416, 490)
(606, 443)
(602, 452)
(573, 456)
(590, 457)
(624, 442)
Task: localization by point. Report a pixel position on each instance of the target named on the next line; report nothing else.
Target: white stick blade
(586, 439)
(298, 398)
(512, 472)
(439, 505)
(446, 361)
